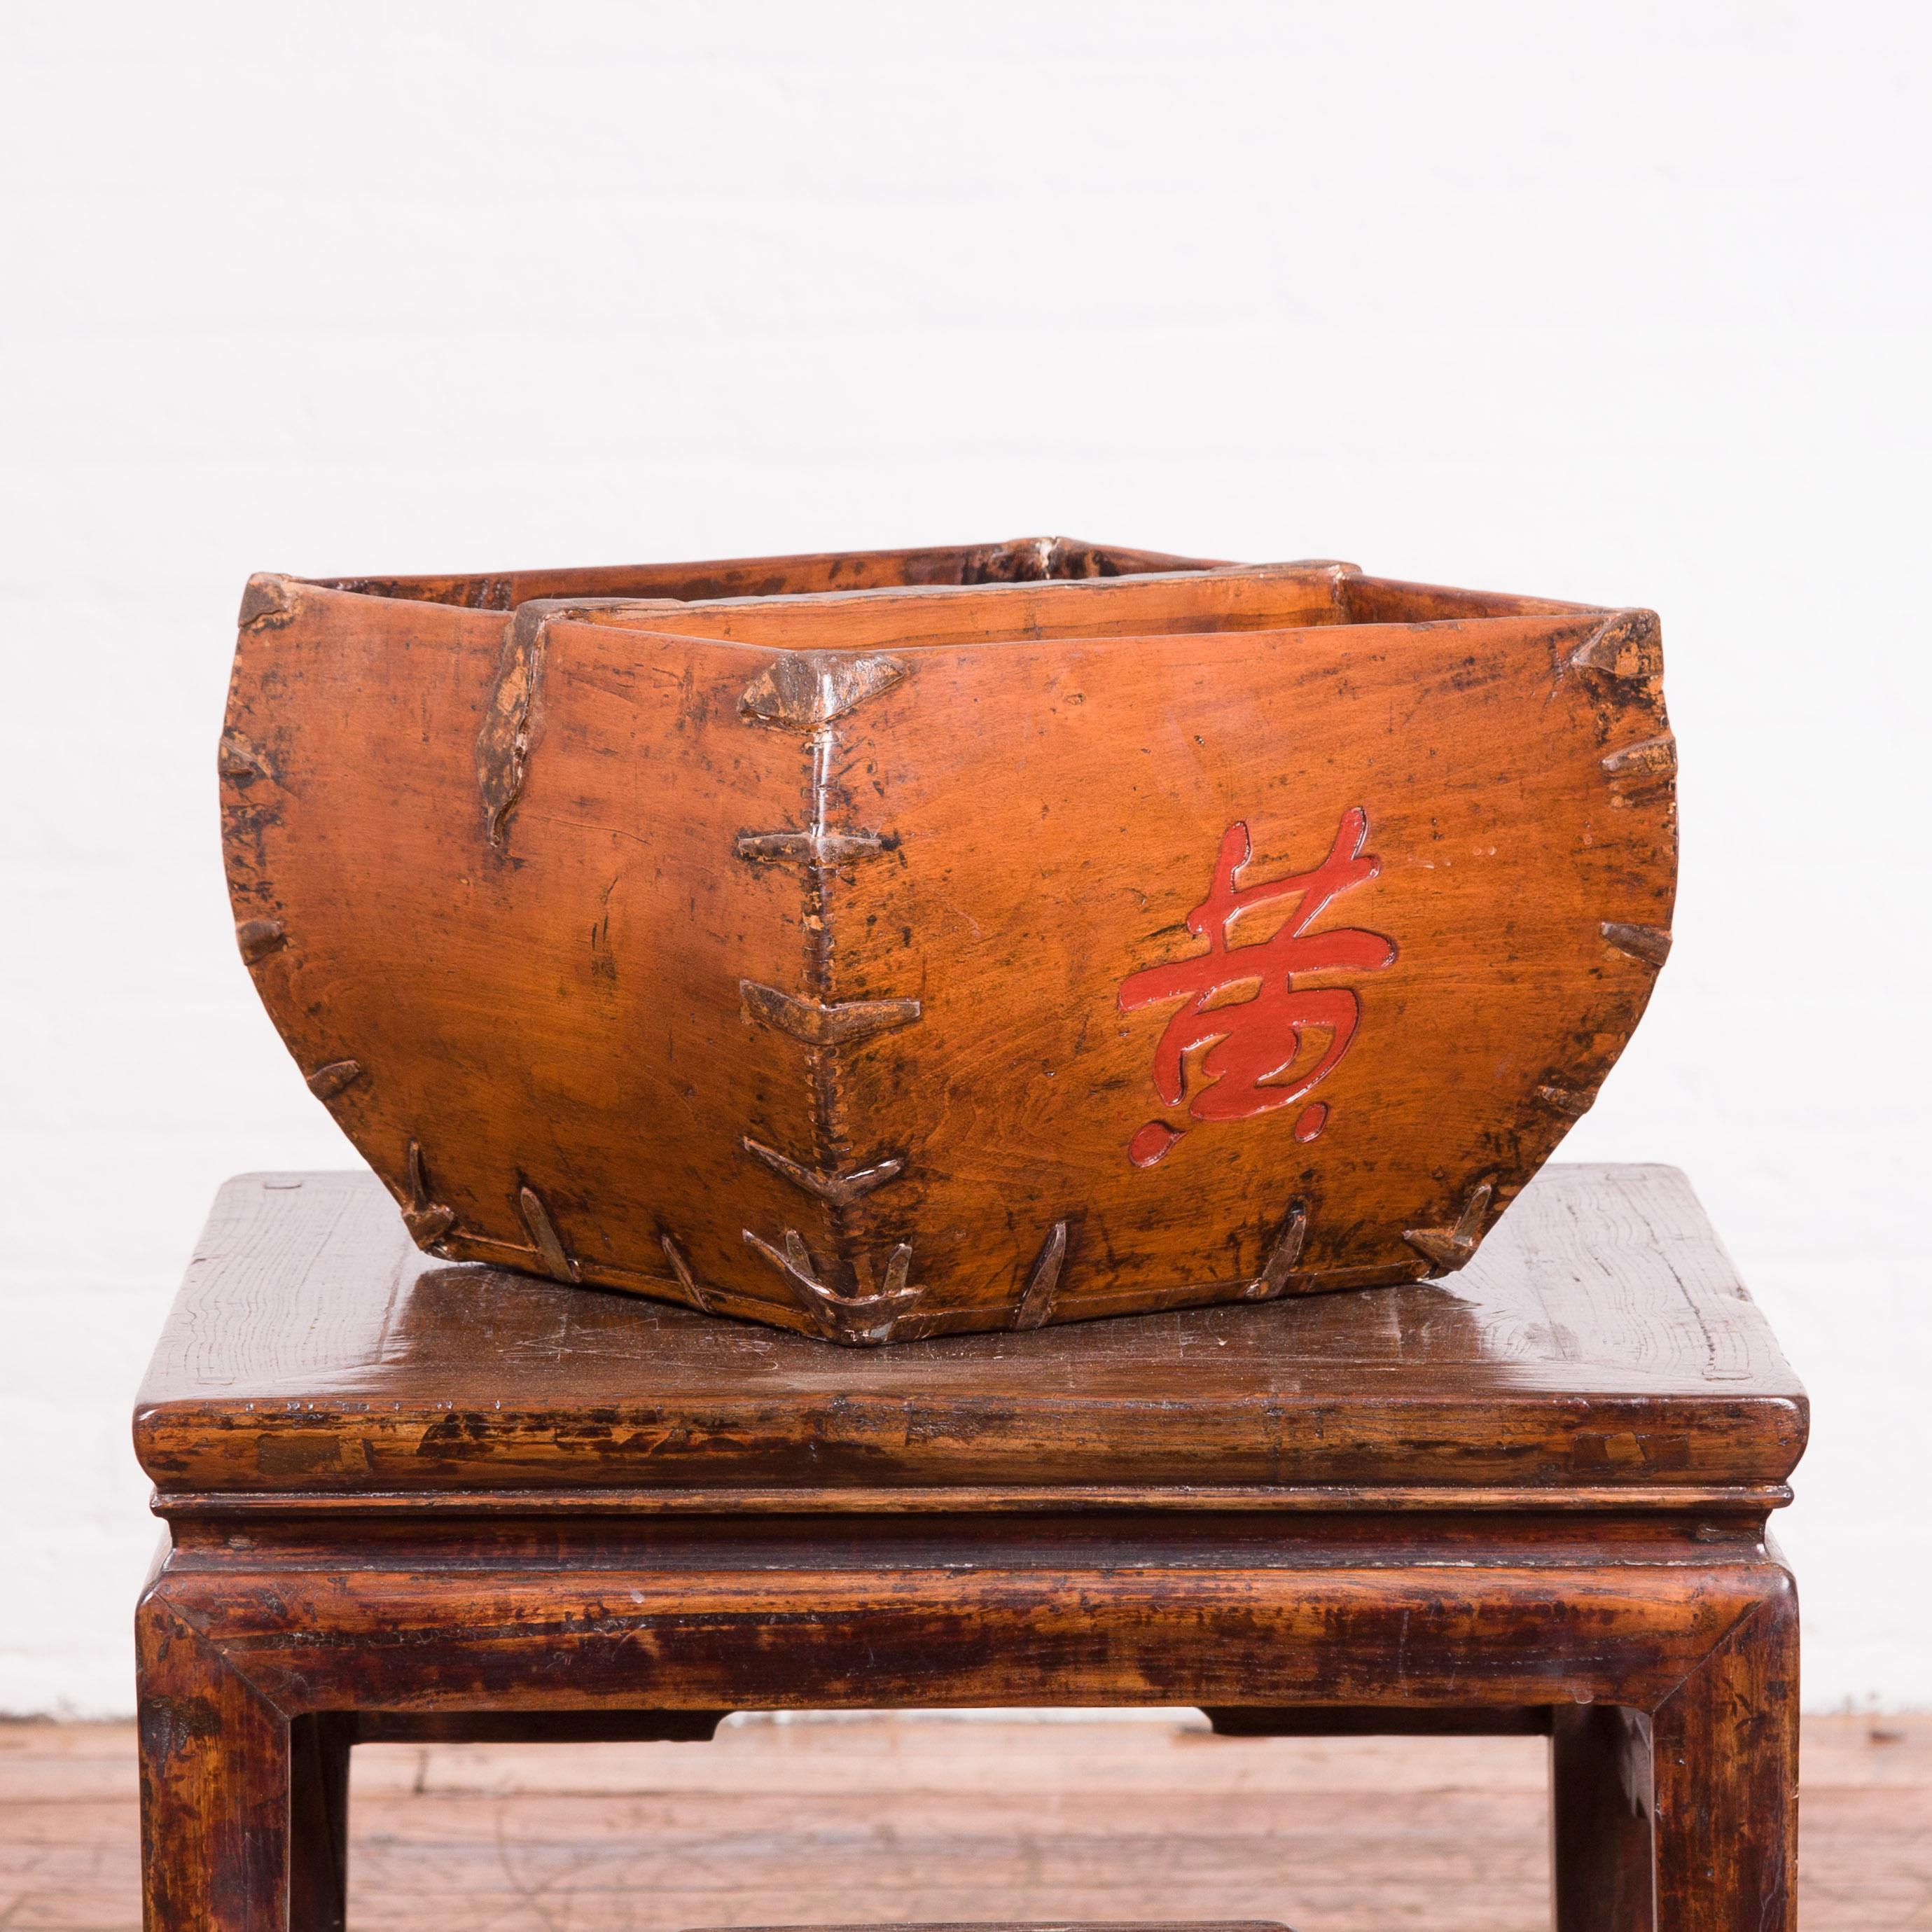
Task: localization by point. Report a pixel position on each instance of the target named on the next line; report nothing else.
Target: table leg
(318, 1821)
(1600, 1780)
(1724, 1765)
(214, 1786)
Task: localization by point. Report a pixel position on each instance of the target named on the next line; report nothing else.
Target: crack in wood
(841, 1189)
(1035, 1306)
(863, 1319)
(1449, 1248)
(509, 715)
(543, 1231)
(1650, 944)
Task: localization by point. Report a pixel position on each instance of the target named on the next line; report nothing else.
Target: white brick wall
(1626, 303)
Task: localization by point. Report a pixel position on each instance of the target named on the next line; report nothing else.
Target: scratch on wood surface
(1036, 1304)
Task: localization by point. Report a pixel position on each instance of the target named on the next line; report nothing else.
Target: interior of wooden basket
(1020, 560)
(1231, 598)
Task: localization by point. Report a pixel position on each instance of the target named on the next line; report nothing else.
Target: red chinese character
(1254, 1062)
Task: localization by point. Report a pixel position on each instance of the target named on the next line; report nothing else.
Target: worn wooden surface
(1600, 1348)
(881, 961)
(879, 1818)
(417, 1517)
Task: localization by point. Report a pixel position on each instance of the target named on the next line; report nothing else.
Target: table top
(1599, 1346)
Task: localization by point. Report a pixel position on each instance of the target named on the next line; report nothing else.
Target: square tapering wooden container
(895, 944)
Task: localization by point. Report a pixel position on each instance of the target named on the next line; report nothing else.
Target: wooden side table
(409, 1500)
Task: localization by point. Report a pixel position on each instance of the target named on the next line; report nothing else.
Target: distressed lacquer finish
(884, 946)
(1600, 1347)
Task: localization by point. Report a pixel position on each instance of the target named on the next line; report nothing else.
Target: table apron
(1450, 1635)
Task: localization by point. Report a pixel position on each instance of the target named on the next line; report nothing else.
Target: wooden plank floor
(873, 1818)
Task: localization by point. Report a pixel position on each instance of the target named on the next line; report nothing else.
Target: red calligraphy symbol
(1256, 1058)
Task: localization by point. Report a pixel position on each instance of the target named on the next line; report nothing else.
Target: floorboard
(875, 1818)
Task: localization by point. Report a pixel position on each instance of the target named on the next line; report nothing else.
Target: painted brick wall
(1626, 303)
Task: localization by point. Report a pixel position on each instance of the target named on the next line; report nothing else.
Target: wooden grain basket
(907, 942)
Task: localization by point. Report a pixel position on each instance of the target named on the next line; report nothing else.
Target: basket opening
(1022, 560)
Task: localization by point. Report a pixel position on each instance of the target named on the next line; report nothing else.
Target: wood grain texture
(1601, 1343)
(791, 870)
(1724, 1767)
(215, 1784)
(1447, 1629)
